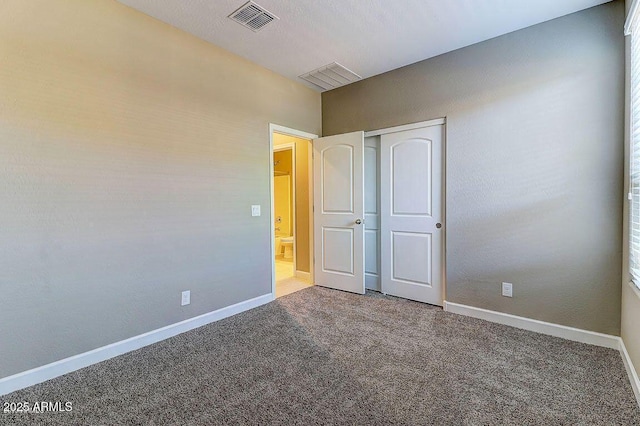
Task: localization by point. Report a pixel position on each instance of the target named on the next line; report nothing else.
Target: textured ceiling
(367, 36)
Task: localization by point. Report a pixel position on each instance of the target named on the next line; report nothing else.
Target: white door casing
(411, 214)
(339, 212)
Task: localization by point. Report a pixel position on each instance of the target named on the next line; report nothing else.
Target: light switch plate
(255, 210)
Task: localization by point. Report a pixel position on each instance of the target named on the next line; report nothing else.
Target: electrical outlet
(507, 289)
(255, 210)
(186, 297)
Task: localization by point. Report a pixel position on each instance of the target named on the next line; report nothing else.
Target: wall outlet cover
(255, 210)
(186, 297)
(507, 289)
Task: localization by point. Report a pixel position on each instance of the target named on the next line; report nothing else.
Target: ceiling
(368, 37)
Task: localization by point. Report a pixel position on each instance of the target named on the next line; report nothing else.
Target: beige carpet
(326, 357)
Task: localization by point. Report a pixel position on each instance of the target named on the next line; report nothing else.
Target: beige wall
(130, 154)
(534, 162)
(302, 197)
(630, 323)
(284, 160)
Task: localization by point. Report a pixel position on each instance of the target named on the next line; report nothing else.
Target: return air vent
(331, 76)
(252, 16)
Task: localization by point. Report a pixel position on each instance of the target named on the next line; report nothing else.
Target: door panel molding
(408, 268)
(337, 262)
(333, 182)
(411, 182)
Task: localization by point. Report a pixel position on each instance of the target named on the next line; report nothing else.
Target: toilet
(287, 244)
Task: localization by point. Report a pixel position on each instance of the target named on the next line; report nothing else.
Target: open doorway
(284, 209)
(291, 210)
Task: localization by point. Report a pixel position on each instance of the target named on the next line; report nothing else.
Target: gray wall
(534, 162)
(130, 154)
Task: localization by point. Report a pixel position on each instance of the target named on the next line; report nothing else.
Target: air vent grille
(253, 16)
(331, 76)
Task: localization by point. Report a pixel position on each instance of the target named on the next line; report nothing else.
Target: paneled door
(339, 211)
(411, 214)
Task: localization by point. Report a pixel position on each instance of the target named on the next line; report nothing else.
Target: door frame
(276, 128)
(411, 126)
(291, 147)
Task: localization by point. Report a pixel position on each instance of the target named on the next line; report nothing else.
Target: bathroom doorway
(292, 210)
(284, 195)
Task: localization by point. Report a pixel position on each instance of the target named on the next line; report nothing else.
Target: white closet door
(339, 211)
(372, 213)
(411, 208)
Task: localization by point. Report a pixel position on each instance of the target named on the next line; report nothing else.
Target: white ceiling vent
(252, 16)
(331, 76)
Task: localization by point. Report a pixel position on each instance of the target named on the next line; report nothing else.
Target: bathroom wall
(130, 155)
(283, 192)
(302, 198)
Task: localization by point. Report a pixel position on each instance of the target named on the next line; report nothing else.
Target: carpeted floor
(320, 356)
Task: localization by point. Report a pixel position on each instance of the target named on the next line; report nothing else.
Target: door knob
(358, 221)
(438, 225)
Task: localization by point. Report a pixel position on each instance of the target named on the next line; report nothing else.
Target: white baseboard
(303, 275)
(58, 368)
(631, 371)
(557, 330)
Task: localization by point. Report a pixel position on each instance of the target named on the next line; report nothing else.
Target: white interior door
(339, 211)
(411, 214)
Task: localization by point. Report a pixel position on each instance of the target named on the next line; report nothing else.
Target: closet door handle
(358, 221)
(438, 225)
